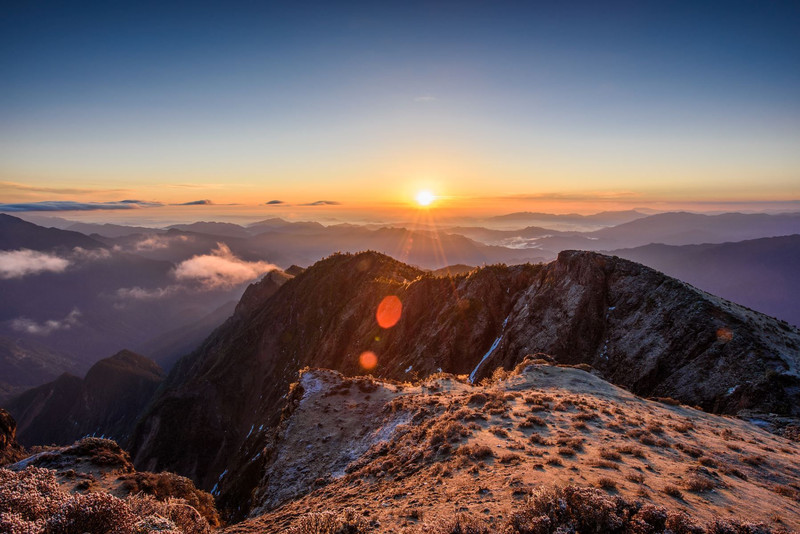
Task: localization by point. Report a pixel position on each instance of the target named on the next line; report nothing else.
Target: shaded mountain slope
(640, 328)
(757, 273)
(401, 455)
(106, 402)
(168, 348)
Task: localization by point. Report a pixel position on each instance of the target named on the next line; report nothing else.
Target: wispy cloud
(204, 202)
(221, 268)
(65, 205)
(425, 99)
(55, 190)
(157, 242)
(573, 196)
(322, 203)
(274, 202)
(96, 254)
(19, 263)
(23, 324)
(140, 293)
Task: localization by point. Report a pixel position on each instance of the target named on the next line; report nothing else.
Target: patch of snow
(310, 384)
(759, 422)
(251, 431)
(409, 368)
(731, 390)
(489, 352)
(22, 464)
(485, 356)
(359, 447)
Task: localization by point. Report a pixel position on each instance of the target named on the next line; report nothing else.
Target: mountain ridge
(639, 328)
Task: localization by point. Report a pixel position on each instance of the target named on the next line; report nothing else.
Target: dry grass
(673, 491)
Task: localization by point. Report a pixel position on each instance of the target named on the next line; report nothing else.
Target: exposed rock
(10, 450)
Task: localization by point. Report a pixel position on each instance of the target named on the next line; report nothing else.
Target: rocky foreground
(410, 458)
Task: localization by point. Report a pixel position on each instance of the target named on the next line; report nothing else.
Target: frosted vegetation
(32, 502)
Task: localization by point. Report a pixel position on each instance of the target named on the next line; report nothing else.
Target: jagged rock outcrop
(10, 450)
(106, 402)
(641, 329)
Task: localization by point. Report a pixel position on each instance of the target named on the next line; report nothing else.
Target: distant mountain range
(86, 296)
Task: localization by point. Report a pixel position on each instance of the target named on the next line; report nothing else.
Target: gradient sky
(493, 105)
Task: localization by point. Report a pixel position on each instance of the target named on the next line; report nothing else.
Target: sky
(312, 109)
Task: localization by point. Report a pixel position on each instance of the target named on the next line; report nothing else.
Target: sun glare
(424, 198)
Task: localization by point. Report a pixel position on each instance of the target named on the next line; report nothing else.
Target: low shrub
(32, 502)
(347, 521)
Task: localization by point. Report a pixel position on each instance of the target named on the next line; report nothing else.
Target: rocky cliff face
(10, 450)
(106, 402)
(639, 328)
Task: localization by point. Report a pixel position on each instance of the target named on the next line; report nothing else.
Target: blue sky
(658, 101)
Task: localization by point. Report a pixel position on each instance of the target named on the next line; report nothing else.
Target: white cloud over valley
(221, 268)
(19, 263)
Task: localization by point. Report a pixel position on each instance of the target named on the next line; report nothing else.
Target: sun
(424, 198)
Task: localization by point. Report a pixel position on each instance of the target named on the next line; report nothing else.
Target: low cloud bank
(66, 205)
(29, 326)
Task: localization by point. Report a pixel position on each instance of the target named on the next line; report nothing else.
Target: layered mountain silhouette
(639, 328)
(106, 402)
(18, 234)
(757, 273)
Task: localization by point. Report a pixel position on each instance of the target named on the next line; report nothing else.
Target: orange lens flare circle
(368, 360)
(389, 311)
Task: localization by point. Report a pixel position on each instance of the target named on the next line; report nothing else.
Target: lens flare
(389, 311)
(724, 334)
(368, 360)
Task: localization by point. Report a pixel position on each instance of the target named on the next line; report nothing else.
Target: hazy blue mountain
(759, 273)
